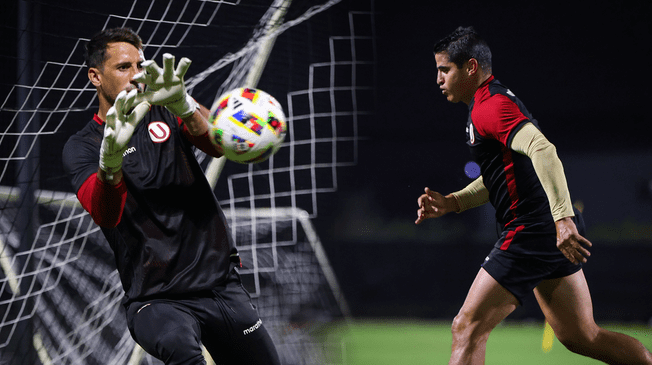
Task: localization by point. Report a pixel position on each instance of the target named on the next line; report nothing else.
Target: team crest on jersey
(159, 132)
(469, 130)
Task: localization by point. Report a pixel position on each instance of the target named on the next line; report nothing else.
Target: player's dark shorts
(520, 272)
(224, 320)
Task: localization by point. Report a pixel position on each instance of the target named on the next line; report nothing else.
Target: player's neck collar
(98, 119)
(490, 79)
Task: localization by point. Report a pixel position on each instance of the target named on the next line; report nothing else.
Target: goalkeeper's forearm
(196, 129)
(104, 201)
(473, 195)
(113, 179)
(197, 122)
(548, 167)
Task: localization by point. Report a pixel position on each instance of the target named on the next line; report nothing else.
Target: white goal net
(59, 291)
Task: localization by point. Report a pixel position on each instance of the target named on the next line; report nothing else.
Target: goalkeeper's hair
(95, 53)
(462, 45)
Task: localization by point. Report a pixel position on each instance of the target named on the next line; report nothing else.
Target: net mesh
(59, 294)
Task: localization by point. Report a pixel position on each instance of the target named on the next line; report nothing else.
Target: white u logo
(158, 131)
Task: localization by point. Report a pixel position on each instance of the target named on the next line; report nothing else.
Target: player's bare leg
(485, 306)
(566, 303)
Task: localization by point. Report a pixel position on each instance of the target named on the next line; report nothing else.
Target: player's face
(122, 62)
(455, 83)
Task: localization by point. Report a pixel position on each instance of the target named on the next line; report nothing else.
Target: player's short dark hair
(462, 45)
(95, 53)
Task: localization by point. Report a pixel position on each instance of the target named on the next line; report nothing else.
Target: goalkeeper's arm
(103, 200)
(196, 128)
(104, 193)
(531, 142)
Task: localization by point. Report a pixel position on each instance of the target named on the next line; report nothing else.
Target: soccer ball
(248, 125)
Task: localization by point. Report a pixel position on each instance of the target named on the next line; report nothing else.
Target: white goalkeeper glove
(118, 129)
(166, 86)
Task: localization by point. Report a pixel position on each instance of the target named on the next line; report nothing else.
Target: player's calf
(610, 347)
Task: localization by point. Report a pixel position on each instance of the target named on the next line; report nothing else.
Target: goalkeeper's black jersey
(173, 237)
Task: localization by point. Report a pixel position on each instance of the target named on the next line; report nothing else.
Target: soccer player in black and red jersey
(134, 171)
(540, 248)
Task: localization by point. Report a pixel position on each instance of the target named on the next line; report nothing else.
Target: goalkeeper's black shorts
(224, 320)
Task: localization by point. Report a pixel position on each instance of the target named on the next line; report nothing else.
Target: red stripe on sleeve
(104, 202)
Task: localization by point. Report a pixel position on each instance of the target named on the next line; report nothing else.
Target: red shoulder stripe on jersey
(510, 237)
(496, 116)
(104, 202)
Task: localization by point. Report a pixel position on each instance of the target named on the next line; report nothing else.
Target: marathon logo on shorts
(254, 327)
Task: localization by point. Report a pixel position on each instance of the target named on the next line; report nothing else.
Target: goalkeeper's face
(122, 62)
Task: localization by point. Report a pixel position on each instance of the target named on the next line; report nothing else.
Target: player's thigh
(487, 303)
(255, 348)
(166, 331)
(239, 335)
(566, 303)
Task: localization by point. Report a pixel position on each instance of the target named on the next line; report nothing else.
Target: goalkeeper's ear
(94, 76)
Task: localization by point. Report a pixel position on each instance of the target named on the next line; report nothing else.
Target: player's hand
(432, 205)
(165, 86)
(570, 242)
(118, 129)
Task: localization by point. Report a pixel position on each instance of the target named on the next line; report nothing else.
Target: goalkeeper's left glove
(118, 129)
(166, 87)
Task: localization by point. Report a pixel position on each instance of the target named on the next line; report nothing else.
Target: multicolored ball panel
(249, 125)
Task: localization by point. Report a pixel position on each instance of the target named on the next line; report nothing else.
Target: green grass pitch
(401, 342)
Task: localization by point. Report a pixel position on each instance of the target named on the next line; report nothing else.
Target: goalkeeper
(134, 171)
(540, 248)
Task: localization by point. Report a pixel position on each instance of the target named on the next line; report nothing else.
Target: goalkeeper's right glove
(165, 86)
(118, 129)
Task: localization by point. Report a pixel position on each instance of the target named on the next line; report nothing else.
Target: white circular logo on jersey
(158, 131)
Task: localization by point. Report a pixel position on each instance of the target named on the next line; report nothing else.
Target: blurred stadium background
(394, 286)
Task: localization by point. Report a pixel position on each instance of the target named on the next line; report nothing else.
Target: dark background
(574, 68)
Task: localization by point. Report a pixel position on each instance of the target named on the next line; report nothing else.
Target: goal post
(290, 279)
(260, 56)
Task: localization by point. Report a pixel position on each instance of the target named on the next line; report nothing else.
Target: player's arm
(104, 193)
(197, 123)
(104, 201)
(433, 204)
(548, 167)
(473, 195)
(531, 142)
(196, 128)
